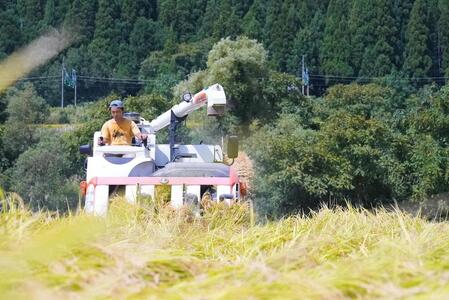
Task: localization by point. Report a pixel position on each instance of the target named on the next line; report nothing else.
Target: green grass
(137, 253)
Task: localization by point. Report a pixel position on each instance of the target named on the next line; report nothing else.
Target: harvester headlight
(187, 97)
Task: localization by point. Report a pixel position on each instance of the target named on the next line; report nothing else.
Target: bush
(352, 150)
(25, 106)
(41, 175)
(294, 168)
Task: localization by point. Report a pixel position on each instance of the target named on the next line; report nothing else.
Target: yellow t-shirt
(120, 133)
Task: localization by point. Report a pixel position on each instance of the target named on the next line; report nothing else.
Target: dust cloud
(35, 54)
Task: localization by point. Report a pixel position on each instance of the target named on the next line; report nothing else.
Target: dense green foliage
(25, 109)
(357, 146)
(40, 176)
(343, 40)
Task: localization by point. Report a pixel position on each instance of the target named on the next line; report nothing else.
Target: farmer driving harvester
(188, 170)
(119, 130)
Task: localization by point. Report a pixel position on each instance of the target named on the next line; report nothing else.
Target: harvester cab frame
(189, 170)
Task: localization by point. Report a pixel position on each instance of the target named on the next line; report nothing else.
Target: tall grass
(152, 252)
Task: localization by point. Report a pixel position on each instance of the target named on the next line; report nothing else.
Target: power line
(117, 79)
(109, 78)
(37, 78)
(31, 78)
(89, 78)
(135, 81)
(111, 81)
(375, 78)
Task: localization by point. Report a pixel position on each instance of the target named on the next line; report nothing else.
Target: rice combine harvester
(189, 170)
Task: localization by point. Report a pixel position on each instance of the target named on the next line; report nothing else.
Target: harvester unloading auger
(190, 170)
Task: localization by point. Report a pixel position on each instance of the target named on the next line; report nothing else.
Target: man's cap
(116, 103)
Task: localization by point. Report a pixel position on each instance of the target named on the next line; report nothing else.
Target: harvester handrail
(119, 149)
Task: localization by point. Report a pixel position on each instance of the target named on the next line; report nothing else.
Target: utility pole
(302, 74)
(308, 90)
(307, 82)
(305, 78)
(76, 112)
(62, 83)
(74, 78)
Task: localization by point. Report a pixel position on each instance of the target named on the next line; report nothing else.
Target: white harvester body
(190, 170)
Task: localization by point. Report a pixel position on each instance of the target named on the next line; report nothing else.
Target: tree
(103, 49)
(241, 7)
(165, 69)
(134, 9)
(368, 101)
(401, 12)
(417, 60)
(336, 47)
(350, 151)
(433, 42)
(25, 109)
(80, 60)
(361, 32)
(167, 10)
(227, 24)
(240, 66)
(126, 61)
(426, 166)
(145, 37)
(272, 36)
(80, 20)
(308, 42)
(25, 106)
(308, 38)
(372, 38)
(149, 106)
(49, 13)
(54, 12)
(428, 113)
(40, 177)
(254, 20)
(292, 24)
(286, 184)
(281, 93)
(30, 13)
(7, 4)
(159, 69)
(3, 104)
(182, 16)
(4, 163)
(443, 29)
(10, 35)
(363, 143)
(211, 14)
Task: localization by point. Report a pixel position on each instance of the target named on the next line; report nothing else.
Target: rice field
(152, 252)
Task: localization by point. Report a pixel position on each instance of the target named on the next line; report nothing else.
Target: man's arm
(105, 135)
(137, 132)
